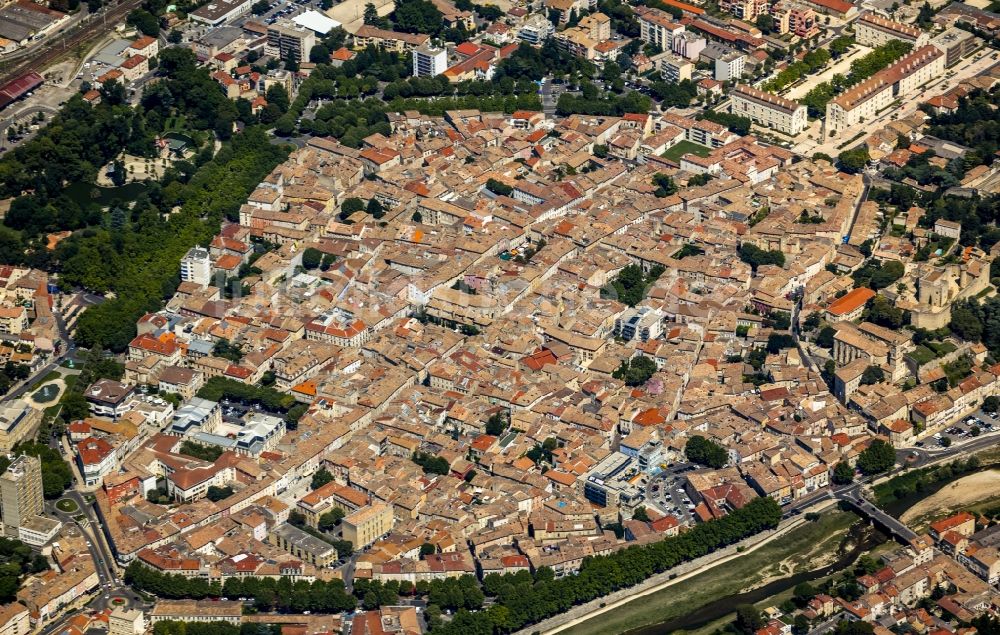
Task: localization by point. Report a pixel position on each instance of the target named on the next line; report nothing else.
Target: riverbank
(958, 495)
(802, 547)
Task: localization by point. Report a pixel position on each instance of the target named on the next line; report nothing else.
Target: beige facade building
(368, 524)
(673, 68)
(20, 493)
(14, 619)
(124, 621)
(870, 97)
(765, 109)
(874, 30)
(657, 27)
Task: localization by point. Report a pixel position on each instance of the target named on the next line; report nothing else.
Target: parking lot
(666, 493)
(285, 9)
(964, 430)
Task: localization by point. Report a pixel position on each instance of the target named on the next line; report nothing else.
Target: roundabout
(67, 505)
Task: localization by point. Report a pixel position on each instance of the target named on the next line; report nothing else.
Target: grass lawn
(797, 549)
(922, 355)
(67, 505)
(676, 152)
(941, 348)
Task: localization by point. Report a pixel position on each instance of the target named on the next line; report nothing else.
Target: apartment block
(657, 27)
(290, 42)
(867, 99)
(21, 493)
(766, 109)
(955, 43)
(673, 68)
(429, 61)
(874, 30)
(196, 266)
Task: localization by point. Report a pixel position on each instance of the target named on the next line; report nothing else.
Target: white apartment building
(429, 61)
(765, 109)
(196, 266)
(729, 66)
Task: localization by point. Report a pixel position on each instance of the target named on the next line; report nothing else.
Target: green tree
(872, 375)
(755, 256)
(635, 371)
(144, 21)
(706, 452)
(311, 258)
(375, 209)
(854, 160)
(665, 185)
(825, 337)
(843, 473)
(498, 187)
(320, 478)
(639, 513)
(330, 519)
(350, 206)
(878, 457)
(216, 494)
(497, 423)
(748, 619)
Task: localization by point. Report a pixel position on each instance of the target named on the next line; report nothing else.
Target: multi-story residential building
(390, 40)
(13, 319)
(689, 45)
(584, 39)
(429, 61)
(536, 29)
(289, 41)
(134, 67)
(18, 420)
(657, 27)
(795, 18)
(765, 109)
(640, 323)
(14, 619)
(20, 493)
(871, 29)
(609, 484)
(109, 398)
(746, 9)
(955, 43)
(867, 99)
(730, 66)
(123, 621)
(368, 524)
(196, 266)
(97, 458)
(673, 68)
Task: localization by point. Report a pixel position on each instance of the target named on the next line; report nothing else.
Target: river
(861, 535)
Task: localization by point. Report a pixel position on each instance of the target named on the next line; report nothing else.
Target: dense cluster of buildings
(460, 306)
(459, 363)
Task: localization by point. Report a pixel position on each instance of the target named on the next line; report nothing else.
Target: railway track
(39, 60)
